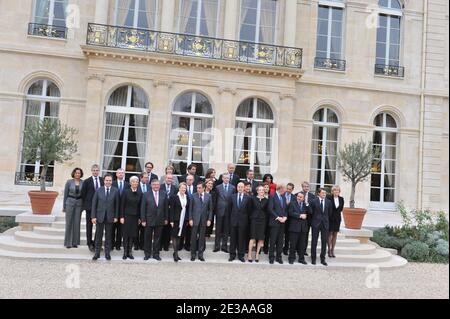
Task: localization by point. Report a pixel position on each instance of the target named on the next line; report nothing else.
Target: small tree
(355, 162)
(48, 141)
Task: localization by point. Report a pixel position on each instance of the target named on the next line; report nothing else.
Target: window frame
(199, 18)
(136, 14)
(258, 23)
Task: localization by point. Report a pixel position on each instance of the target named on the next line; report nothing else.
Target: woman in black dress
(129, 216)
(257, 222)
(179, 210)
(210, 184)
(335, 218)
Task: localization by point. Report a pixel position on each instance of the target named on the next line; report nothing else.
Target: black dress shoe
(242, 259)
(303, 262)
(306, 254)
(157, 258)
(333, 255)
(225, 250)
(216, 250)
(130, 256)
(231, 259)
(74, 246)
(187, 248)
(250, 260)
(201, 258)
(146, 258)
(95, 257)
(192, 258)
(124, 257)
(68, 247)
(280, 261)
(291, 262)
(91, 248)
(108, 257)
(256, 260)
(313, 262)
(271, 261)
(323, 262)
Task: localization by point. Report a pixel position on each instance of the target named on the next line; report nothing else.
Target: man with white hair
(234, 178)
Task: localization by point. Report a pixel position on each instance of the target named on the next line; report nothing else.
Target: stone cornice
(192, 62)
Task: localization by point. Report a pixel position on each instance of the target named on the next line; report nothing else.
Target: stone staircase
(46, 242)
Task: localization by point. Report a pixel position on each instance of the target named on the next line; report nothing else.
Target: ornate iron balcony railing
(45, 30)
(329, 64)
(193, 46)
(31, 179)
(390, 70)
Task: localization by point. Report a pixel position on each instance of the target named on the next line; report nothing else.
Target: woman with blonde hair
(170, 170)
(335, 218)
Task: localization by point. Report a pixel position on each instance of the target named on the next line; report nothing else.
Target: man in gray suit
(105, 212)
(154, 215)
(200, 217)
(224, 192)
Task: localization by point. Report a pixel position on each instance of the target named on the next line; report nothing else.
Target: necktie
(120, 187)
(226, 188)
(190, 190)
(281, 200)
(155, 195)
(96, 183)
(107, 192)
(231, 177)
(168, 190)
(301, 206)
(240, 201)
(201, 198)
(145, 188)
(321, 205)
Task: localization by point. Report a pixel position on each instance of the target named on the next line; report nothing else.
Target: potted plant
(47, 141)
(355, 162)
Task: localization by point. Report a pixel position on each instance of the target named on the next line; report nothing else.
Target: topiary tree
(48, 141)
(355, 162)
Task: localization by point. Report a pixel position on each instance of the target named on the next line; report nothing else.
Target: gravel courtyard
(57, 279)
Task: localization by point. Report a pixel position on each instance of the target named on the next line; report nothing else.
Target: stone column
(101, 11)
(168, 15)
(232, 12)
(92, 133)
(159, 129)
(290, 22)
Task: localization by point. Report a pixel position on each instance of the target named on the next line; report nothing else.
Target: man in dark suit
(298, 226)
(88, 190)
(170, 190)
(154, 215)
(191, 170)
(144, 187)
(289, 197)
(224, 192)
(121, 184)
(277, 218)
(239, 207)
(148, 169)
(321, 211)
(309, 197)
(250, 177)
(234, 178)
(200, 217)
(104, 212)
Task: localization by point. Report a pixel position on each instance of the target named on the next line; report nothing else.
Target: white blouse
(183, 201)
(336, 202)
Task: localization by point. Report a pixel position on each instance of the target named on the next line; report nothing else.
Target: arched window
(382, 191)
(199, 17)
(191, 136)
(388, 37)
(329, 46)
(49, 18)
(42, 102)
(253, 137)
(324, 148)
(141, 14)
(259, 21)
(126, 125)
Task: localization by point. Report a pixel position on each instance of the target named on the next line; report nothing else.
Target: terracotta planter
(353, 217)
(42, 202)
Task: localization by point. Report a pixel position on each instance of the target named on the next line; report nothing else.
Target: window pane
(389, 167)
(375, 195)
(377, 138)
(119, 97)
(375, 180)
(390, 122)
(391, 138)
(202, 104)
(180, 122)
(331, 117)
(389, 195)
(245, 109)
(264, 111)
(319, 115)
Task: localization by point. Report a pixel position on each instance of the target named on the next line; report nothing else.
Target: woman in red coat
(268, 178)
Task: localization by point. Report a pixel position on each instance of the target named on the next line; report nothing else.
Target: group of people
(149, 213)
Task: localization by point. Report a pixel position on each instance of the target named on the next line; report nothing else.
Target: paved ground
(48, 279)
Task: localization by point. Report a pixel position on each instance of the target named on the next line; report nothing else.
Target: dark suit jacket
(254, 186)
(150, 213)
(319, 217)
(336, 211)
(105, 209)
(222, 201)
(200, 212)
(239, 216)
(175, 209)
(276, 210)
(88, 191)
(126, 186)
(151, 178)
(173, 189)
(296, 224)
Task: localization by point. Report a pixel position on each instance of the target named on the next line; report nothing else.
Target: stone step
(59, 232)
(11, 244)
(33, 237)
(393, 263)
